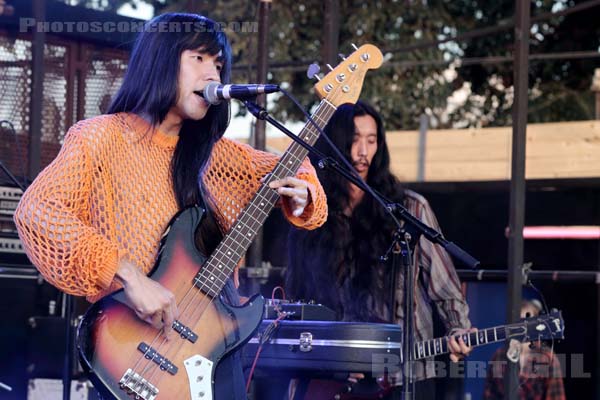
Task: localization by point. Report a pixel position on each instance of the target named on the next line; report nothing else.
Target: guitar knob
(330, 67)
(354, 46)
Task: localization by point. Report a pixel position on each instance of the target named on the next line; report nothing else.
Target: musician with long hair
(92, 220)
(338, 265)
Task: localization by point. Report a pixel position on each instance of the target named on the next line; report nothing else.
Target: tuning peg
(354, 46)
(342, 56)
(330, 67)
(312, 71)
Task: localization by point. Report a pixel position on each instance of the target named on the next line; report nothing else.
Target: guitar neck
(215, 272)
(437, 346)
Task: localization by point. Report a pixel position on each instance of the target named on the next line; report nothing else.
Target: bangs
(212, 43)
(210, 37)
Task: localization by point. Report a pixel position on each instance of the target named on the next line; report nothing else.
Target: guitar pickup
(161, 361)
(184, 331)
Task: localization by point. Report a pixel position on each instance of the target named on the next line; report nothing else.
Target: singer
(92, 220)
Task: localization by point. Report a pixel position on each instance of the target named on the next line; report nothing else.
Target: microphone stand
(404, 241)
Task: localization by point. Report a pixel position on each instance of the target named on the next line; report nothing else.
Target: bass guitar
(127, 358)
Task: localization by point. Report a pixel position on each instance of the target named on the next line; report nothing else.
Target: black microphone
(214, 92)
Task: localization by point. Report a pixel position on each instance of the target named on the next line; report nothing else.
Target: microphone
(214, 92)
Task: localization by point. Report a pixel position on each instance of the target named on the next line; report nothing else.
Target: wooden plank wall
(554, 150)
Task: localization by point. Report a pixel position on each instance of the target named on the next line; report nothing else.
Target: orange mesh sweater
(108, 195)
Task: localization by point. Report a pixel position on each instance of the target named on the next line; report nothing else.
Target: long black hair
(150, 89)
(343, 254)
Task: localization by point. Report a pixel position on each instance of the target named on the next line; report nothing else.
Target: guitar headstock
(544, 327)
(344, 83)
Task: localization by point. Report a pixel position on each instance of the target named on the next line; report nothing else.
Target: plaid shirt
(540, 376)
(437, 283)
(436, 280)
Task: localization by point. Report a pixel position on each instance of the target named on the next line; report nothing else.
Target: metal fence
(79, 80)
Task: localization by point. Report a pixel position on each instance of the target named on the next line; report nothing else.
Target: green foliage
(421, 81)
(559, 89)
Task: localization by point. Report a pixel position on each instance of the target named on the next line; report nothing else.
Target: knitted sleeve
(54, 223)
(246, 166)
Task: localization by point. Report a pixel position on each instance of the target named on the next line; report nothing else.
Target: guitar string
(504, 329)
(224, 243)
(145, 355)
(201, 308)
(205, 301)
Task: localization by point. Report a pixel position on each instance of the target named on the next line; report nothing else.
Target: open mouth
(202, 100)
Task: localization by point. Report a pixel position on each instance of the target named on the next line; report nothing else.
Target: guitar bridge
(138, 387)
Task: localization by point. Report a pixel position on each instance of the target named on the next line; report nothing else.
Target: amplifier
(7, 225)
(11, 250)
(11, 244)
(9, 199)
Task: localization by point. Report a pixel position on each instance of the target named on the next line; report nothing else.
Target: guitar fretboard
(215, 272)
(434, 347)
